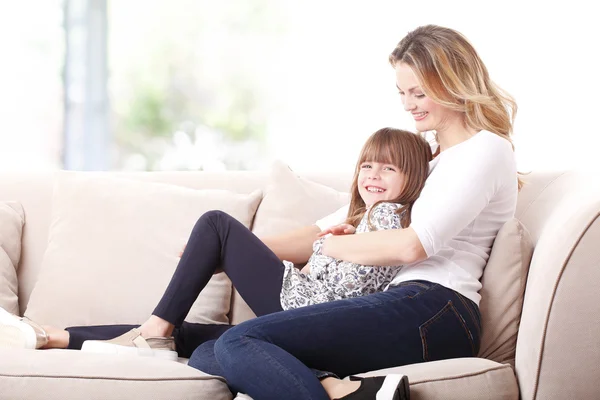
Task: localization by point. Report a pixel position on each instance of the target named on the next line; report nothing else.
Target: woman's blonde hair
(452, 74)
(410, 153)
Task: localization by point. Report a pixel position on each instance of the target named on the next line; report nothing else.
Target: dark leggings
(217, 241)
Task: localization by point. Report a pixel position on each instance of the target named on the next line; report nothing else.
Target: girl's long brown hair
(410, 153)
(452, 74)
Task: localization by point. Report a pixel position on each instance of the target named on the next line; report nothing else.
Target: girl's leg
(414, 322)
(217, 241)
(187, 337)
(220, 241)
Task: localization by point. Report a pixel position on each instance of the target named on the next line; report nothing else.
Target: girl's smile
(378, 181)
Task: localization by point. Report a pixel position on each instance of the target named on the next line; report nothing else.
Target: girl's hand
(341, 229)
(181, 252)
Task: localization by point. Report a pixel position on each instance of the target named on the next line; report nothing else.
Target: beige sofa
(557, 349)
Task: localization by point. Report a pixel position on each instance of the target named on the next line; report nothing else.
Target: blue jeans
(283, 352)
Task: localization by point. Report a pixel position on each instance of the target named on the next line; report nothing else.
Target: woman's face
(378, 181)
(428, 115)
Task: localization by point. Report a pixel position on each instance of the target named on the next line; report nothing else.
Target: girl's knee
(210, 217)
(213, 214)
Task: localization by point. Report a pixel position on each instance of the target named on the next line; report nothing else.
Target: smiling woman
(429, 115)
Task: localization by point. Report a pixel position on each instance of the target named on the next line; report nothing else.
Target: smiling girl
(389, 176)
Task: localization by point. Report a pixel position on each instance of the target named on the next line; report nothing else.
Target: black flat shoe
(390, 387)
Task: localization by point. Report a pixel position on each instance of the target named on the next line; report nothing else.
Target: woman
(430, 311)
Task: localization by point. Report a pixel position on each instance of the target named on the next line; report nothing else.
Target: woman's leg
(411, 323)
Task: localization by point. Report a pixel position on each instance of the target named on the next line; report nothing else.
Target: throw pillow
(504, 280)
(11, 229)
(292, 202)
(114, 244)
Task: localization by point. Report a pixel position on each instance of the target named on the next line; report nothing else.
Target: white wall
(340, 87)
(30, 84)
(332, 86)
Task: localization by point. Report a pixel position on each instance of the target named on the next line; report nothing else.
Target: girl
(389, 175)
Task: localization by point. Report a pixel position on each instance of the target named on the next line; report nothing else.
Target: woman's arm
(403, 247)
(294, 246)
(456, 192)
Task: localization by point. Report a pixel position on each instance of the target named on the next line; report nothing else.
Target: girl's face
(428, 115)
(378, 181)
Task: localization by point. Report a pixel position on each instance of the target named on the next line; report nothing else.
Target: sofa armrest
(558, 356)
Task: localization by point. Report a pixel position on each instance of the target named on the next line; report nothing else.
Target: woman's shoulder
(484, 150)
(484, 160)
(484, 141)
(494, 141)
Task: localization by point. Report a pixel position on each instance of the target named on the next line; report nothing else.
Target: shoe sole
(15, 334)
(99, 347)
(395, 387)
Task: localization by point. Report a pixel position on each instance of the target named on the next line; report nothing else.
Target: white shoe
(20, 332)
(132, 343)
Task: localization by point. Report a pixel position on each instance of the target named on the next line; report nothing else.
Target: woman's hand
(341, 229)
(306, 269)
(181, 252)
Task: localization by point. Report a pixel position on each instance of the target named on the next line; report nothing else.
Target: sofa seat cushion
(71, 374)
(455, 379)
(458, 378)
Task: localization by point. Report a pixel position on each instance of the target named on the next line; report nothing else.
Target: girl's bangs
(380, 150)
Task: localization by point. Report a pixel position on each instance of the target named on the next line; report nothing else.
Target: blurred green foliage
(187, 64)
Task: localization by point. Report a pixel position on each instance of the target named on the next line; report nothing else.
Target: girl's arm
(294, 246)
(377, 248)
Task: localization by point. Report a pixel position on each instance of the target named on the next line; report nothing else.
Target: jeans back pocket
(446, 335)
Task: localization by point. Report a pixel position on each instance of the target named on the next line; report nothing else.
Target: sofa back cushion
(11, 229)
(292, 202)
(113, 246)
(33, 190)
(504, 280)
